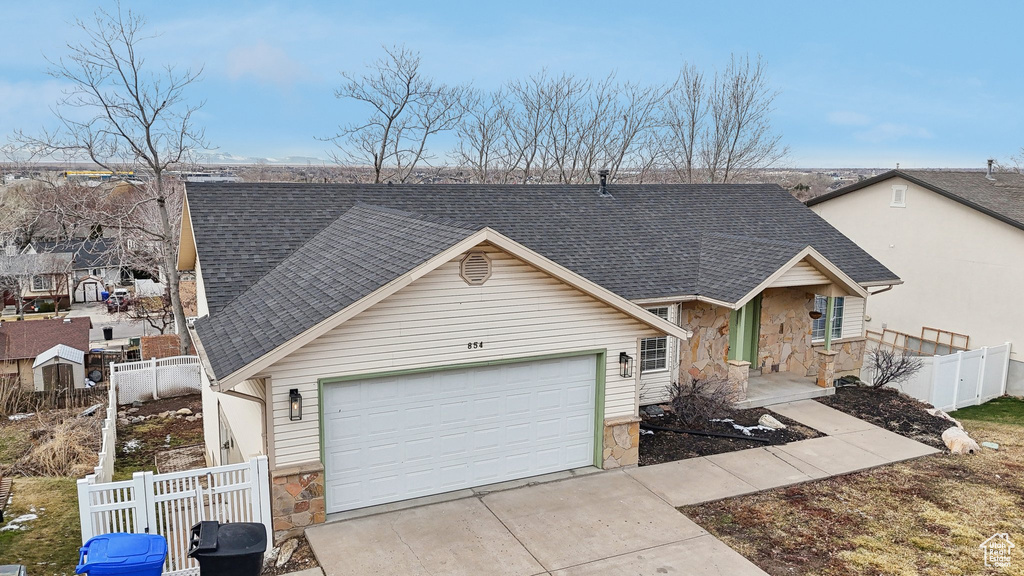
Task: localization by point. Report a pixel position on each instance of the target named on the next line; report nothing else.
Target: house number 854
(474, 345)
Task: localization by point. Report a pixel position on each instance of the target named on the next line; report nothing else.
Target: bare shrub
(695, 403)
(64, 445)
(890, 367)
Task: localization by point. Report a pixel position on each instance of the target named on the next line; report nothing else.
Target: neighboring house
(380, 343)
(43, 355)
(96, 266)
(956, 238)
(43, 280)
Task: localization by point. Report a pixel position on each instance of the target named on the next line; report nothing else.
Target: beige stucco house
(956, 238)
(402, 341)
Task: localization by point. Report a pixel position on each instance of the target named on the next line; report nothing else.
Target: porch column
(829, 302)
(826, 360)
(739, 375)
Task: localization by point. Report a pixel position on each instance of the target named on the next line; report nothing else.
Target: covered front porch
(787, 338)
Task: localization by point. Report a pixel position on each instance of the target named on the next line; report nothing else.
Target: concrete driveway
(600, 524)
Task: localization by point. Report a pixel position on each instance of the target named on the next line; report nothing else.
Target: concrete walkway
(609, 523)
(851, 445)
(601, 524)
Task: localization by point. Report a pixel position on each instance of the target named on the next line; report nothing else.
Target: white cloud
(847, 118)
(264, 63)
(888, 132)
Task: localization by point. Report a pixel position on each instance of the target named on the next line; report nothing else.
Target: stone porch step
(783, 398)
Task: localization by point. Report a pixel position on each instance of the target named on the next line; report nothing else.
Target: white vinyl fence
(170, 504)
(957, 380)
(154, 379)
(104, 471)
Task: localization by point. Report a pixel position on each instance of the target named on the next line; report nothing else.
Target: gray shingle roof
(731, 266)
(643, 242)
(89, 253)
(1001, 198)
(361, 251)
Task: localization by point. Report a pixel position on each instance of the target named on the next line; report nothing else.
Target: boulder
(943, 415)
(287, 549)
(959, 442)
(184, 412)
(769, 421)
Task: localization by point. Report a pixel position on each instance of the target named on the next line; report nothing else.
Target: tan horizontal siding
(519, 312)
(802, 274)
(853, 317)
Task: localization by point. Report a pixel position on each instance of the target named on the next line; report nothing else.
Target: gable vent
(475, 268)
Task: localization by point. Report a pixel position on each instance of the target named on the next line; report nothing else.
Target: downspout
(263, 412)
(886, 289)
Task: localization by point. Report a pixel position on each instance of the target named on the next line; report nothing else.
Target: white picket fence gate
(146, 380)
(104, 470)
(170, 504)
(957, 380)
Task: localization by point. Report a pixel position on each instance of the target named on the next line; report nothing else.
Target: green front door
(744, 331)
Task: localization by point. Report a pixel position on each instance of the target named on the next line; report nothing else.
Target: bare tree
(564, 128)
(129, 118)
(406, 110)
(44, 273)
(156, 311)
(683, 114)
(740, 135)
(891, 367)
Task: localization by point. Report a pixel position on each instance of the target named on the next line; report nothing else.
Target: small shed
(59, 368)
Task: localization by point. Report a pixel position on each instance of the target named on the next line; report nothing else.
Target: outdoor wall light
(294, 404)
(625, 365)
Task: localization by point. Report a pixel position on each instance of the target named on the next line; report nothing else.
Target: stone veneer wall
(706, 354)
(786, 331)
(621, 442)
(297, 499)
(849, 355)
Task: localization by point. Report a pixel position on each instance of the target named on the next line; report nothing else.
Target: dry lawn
(926, 516)
(49, 544)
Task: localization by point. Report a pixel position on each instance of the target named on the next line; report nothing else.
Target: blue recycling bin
(104, 295)
(123, 555)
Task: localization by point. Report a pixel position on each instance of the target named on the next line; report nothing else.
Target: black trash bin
(233, 549)
(108, 332)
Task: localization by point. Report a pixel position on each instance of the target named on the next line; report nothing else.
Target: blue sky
(865, 84)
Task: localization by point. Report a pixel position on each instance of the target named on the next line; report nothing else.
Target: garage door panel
(474, 426)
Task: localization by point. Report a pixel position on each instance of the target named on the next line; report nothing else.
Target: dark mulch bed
(670, 446)
(891, 410)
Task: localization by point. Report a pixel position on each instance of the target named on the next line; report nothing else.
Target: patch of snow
(16, 417)
(17, 523)
(131, 446)
(746, 430)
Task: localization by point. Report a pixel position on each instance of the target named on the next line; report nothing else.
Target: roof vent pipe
(989, 174)
(604, 182)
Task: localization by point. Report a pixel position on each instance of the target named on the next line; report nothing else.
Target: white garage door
(390, 439)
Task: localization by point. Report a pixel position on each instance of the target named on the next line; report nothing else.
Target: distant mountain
(223, 158)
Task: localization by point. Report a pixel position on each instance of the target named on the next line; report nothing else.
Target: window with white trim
(654, 351)
(899, 196)
(42, 283)
(818, 326)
